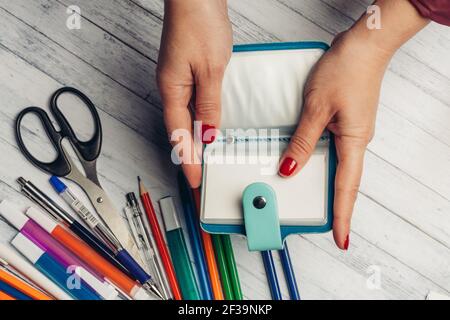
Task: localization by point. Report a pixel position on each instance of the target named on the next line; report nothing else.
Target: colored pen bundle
(58, 257)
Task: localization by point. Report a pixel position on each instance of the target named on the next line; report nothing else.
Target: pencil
(271, 272)
(159, 239)
(5, 297)
(289, 273)
(232, 268)
(221, 260)
(193, 228)
(209, 255)
(22, 286)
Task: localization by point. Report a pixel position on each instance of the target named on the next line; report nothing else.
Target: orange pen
(210, 256)
(88, 255)
(23, 287)
(5, 297)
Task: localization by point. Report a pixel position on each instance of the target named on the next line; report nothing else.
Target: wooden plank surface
(402, 217)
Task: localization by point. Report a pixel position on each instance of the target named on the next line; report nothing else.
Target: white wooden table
(401, 226)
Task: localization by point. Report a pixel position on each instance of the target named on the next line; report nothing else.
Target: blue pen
(13, 292)
(107, 236)
(289, 273)
(192, 224)
(53, 269)
(271, 272)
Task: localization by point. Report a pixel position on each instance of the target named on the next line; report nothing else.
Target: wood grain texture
(401, 223)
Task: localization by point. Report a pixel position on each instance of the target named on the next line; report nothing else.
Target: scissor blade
(107, 212)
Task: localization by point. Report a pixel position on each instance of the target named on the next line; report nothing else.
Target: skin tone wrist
(342, 95)
(400, 21)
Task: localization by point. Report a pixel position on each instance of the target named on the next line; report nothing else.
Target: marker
(24, 267)
(40, 236)
(101, 256)
(178, 251)
(53, 269)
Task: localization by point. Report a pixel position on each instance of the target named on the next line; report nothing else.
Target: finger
(208, 91)
(312, 124)
(178, 120)
(348, 177)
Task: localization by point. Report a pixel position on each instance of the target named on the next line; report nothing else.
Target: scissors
(86, 151)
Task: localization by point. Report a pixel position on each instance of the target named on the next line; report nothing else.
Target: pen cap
(45, 222)
(13, 214)
(169, 214)
(57, 184)
(27, 248)
(104, 289)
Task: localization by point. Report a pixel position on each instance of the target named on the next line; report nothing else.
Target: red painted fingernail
(208, 134)
(288, 167)
(347, 242)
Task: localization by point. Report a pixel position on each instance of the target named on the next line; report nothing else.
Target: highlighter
(178, 250)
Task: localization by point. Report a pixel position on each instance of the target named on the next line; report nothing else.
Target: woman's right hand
(195, 50)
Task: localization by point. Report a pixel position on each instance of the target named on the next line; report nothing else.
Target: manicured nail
(288, 167)
(208, 134)
(347, 242)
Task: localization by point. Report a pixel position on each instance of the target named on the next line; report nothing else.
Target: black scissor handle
(88, 150)
(60, 166)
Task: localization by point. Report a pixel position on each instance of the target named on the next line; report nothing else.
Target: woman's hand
(195, 49)
(342, 95)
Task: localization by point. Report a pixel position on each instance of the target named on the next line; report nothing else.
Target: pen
(271, 272)
(159, 239)
(13, 292)
(6, 297)
(145, 242)
(105, 290)
(6, 267)
(231, 266)
(178, 250)
(289, 273)
(104, 233)
(24, 267)
(53, 209)
(35, 233)
(82, 250)
(210, 256)
(24, 287)
(222, 263)
(193, 228)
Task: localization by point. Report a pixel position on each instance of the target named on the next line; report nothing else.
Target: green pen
(178, 250)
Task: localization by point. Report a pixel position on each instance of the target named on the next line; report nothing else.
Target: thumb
(208, 91)
(313, 121)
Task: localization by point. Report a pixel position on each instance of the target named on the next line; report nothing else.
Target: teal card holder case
(268, 80)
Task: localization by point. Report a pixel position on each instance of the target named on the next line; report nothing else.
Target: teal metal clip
(262, 224)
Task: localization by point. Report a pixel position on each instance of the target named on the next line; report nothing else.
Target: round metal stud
(259, 202)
